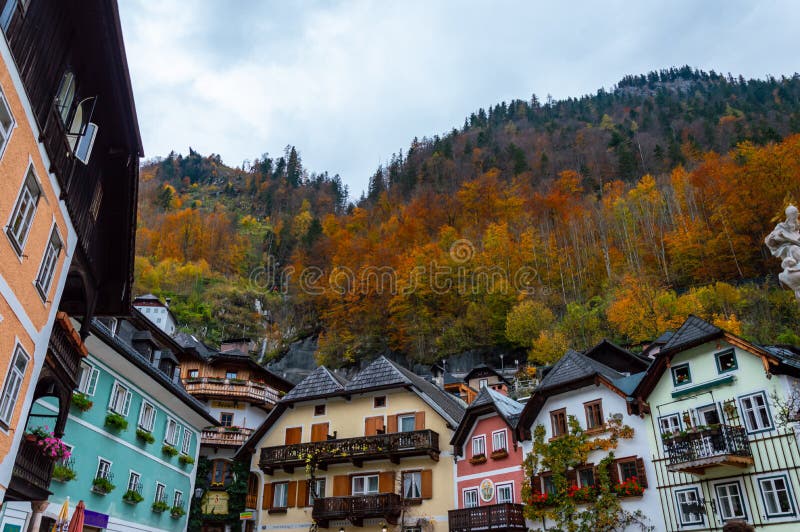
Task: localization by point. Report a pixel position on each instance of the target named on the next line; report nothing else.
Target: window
(134, 482)
(171, 434)
(161, 494)
(708, 415)
(120, 399)
(681, 375)
(279, 494)
(226, 419)
(499, 442)
(219, 469)
(177, 499)
(103, 469)
(471, 498)
(670, 424)
(547, 485)
(16, 374)
(6, 123)
(365, 485)
(319, 489)
(319, 410)
(479, 446)
(147, 416)
(228, 374)
(756, 412)
(407, 423)
(586, 477)
(22, 217)
(505, 493)
(412, 485)
(193, 373)
(730, 502)
(87, 380)
(777, 496)
(726, 361)
(84, 149)
(483, 383)
(187, 441)
(594, 414)
(627, 469)
(65, 96)
(558, 420)
(690, 511)
(379, 401)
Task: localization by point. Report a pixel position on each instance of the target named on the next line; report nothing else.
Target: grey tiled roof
(505, 406)
(575, 366)
(448, 403)
(378, 374)
(320, 382)
(693, 330)
(628, 384)
(664, 338)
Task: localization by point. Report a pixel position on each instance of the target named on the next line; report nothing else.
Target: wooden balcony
(66, 351)
(697, 451)
(31, 475)
(231, 389)
(220, 437)
(494, 517)
(386, 506)
(356, 450)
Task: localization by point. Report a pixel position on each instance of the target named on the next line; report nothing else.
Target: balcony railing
(220, 437)
(355, 509)
(696, 451)
(64, 342)
(33, 468)
(231, 389)
(355, 450)
(494, 517)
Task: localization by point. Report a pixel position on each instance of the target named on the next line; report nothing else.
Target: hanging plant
(160, 506)
(81, 401)
(145, 436)
(132, 497)
(63, 473)
(185, 459)
(116, 421)
(169, 450)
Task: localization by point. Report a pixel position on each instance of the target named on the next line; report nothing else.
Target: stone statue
(784, 243)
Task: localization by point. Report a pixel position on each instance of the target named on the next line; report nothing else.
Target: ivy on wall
(236, 487)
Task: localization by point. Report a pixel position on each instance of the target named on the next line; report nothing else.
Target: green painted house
(133, 430)
(721, 430)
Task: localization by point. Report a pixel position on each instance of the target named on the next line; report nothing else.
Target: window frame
(696, 491)
(285, 490)
(504, 485)
(49, 264)
(743, 412)
(366, 478)
(678, 367)
(320, 493)
(471, 491)
(670, 416)
(174, 440)
(401, 418)
(88, 385)
(790, 495)
(545, 479)
(553, 420)
(15, 377)
(31, 186)
(140, 423)
(724, 352)
(138, 484)
(222, 416)
(742, 500)
(626, 461)
(186, 441)
(177, 498)
(100, 462)
(5, 135)
(193, 374)
(379, 399)
(504, 434)
(587, 406)
(482, 439)
(483, 383)
(580, 470)
(319, 410)
(163, 496)
(411, 474)
(126, 401)
(228, 374)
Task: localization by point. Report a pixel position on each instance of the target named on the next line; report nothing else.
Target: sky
(351, 82)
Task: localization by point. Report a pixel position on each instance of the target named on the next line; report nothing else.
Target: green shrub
(145, 436)
(133, 496)
(81, 401)
(63, 473)
(169, 450)
(177, 511)
(116, 421)
(103, 485)
(160, 506)
(185, 459)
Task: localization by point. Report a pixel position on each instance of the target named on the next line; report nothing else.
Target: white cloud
(350, 83)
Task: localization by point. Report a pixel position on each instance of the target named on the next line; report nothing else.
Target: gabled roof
(575, 366)
(616, 357)
(481, 369)
(380, 373)
(486, 402)
(694, 331)
(319, 383)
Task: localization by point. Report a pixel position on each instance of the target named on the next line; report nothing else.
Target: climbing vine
(237, 494)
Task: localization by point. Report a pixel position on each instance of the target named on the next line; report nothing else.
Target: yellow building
(369, 453)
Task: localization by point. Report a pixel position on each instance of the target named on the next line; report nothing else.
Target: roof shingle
(318, 383)
(693, 330)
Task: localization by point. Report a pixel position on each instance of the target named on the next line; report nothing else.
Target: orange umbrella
(76, 524)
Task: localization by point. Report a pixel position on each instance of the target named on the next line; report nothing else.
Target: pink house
(489, 470)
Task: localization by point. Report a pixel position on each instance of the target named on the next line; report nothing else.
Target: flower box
(145, 436)
(63, 473)
(185, 459)
(478, 459)
(169, 450)
(177, 512)
(132, 497)
(81, 401)
(116, 421)
(102, 486)
(160, 506)
(499, 454)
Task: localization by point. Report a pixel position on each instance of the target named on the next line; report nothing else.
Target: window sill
(277, 510)
(597, 430)
(413, 502)
(499, 454)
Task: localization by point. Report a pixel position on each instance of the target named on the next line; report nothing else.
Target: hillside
(535, 225)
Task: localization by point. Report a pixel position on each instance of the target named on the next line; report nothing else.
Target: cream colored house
(369, 453)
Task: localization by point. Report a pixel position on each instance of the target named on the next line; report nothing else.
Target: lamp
(384, 529)
(341, 529)
(198, 492)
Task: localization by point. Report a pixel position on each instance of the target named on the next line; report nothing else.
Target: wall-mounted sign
(486, 490)
(215, 502)
(245, 515)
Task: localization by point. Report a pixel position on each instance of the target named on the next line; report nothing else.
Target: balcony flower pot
(169, 450)
(63, 473)
(499, 454)
(185, 459)
(160, 506)
(37, 433)
(145, 436)
(53, 448)
(132, 497)
(177, 512)
(116, 421)
(81, 401)
(478, 459)
(102, 486)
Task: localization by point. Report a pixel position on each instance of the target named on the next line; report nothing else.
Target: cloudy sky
(349, 83)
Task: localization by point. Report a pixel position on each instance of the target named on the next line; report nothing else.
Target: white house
(157, 312)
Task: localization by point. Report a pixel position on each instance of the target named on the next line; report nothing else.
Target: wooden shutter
(291, 494)
(613, 472)
(391, 425)
(341, 485)
(640, 473)
(419, 421)
(319, 432)
(536, 483)
(294, 435)
(372, 425)
(266, 502)
(386, 482)
(302, 493)
(427, 483)
(572, 478)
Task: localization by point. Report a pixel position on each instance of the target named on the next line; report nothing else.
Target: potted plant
(116, 421)
(102, 485)
(63, 472)
(132, 497)
(232, 429)
(177, 512)
(53, 448)
(81, 401)
(666, 436)
(37, 433)
(499, 454)
(160, 506)
(145, 436)
(169, 450)
(185, 459)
